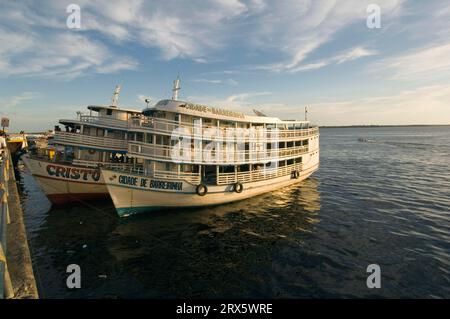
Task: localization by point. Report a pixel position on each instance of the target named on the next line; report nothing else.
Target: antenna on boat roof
(176, 88)
(306, 113)
(115, 98)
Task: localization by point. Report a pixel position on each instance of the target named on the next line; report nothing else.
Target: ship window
(305, 142)
(290, 162)
(243, 168)
(298, 160)
(281, 163)
(108, 112)
(226, 169)
(139, 137)
(149, 138)
(162, 140)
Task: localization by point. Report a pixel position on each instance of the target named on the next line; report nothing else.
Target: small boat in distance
(190, 155)
(67, 169)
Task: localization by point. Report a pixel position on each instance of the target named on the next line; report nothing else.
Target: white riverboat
(67, 170)
(190, 155)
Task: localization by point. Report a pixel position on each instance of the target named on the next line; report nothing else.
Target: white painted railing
(193, 178)
(90, 141)
(162, 152)
(167, 127)
(257, 175)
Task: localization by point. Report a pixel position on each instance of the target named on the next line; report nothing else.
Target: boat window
(243, 168)
(149, 138)
(226, 169)
(139, 137)
(109, 112)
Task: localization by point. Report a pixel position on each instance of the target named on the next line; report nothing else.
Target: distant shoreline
(375, 126)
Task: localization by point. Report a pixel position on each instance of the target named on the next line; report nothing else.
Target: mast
(176, 88)
(115, 98)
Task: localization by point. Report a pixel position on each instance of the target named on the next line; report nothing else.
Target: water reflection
(211, 252)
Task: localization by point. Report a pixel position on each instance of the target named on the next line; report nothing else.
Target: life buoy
(91, 151)
(238, 187)
(295, 174)
(201, 190)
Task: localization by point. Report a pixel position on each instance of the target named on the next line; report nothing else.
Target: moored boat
(190, 155)
(67, 170)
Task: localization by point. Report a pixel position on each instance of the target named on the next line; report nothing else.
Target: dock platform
(17, 279)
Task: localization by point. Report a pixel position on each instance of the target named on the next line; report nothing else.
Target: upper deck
(105, 117)
(210, 112)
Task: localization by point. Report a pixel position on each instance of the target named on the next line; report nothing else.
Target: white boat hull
(129, 197)
(64, 183)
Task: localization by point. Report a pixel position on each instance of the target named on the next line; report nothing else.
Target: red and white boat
(68, 169)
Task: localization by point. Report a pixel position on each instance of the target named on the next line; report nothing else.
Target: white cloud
(61, 55)
(421, 64)
(352, 54)
(240, 101)
(217, 81)
(299, 28)
(8, 104)
(421, 105)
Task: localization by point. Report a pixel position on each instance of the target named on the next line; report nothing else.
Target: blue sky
(275, 56)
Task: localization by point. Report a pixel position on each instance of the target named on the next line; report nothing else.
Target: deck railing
(90, 141)
(193, 178)
(221, 178)
(257, 175)
(191, 155)
(167, 127)
(6, 290)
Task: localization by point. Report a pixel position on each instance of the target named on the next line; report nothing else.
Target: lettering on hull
(150, 183)
(74, 173)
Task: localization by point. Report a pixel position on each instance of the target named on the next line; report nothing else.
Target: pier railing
(6, 290)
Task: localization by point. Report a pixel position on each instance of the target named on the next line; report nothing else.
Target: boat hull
(145, 197)
(65, 183)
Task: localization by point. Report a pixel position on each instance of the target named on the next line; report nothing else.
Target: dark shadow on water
(220, 251)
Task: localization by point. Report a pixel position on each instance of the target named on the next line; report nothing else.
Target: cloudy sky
(276, 56)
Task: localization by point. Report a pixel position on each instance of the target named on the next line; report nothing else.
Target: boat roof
(205, 111)
(97, 108)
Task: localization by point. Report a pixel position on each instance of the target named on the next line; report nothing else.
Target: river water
(384, 200)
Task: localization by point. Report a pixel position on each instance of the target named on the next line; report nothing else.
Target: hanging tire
(201, 190)
(238, 187)
(295, 174)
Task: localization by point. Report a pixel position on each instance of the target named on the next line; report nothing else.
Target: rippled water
(384, 201)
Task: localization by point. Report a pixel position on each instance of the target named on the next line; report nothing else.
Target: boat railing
(192, 155)
(104, 121)
(87, 140)
(168, 127)
(257, 175)
(193, 178)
